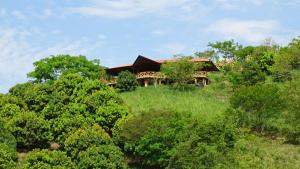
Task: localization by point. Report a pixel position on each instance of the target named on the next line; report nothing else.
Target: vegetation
(126, 82)
(180, 72)
(50, 68)
(247, 118)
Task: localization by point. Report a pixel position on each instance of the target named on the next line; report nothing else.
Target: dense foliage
(180, 72)
(46, 159)
(256, 105)
(126, 81)
(50, 68)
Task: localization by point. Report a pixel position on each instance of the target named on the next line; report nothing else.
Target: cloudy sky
(116, 31)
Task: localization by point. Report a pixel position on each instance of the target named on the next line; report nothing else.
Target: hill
(208, 103)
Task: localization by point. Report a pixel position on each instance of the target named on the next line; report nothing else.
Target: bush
(47, 159)
(8, 157)
(84, 138)
(7, 138)
(256, 105)
(203, 145)
(126, 82)
(30, 130)
(150, 136)
(102, 156)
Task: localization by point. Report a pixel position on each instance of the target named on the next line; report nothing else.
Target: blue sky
(116, 31)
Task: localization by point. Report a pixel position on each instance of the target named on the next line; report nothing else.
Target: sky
(117, 31)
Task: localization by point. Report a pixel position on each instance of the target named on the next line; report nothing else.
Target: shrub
(47, 159)
(84, 138)
(150, 136)
(255, 105)
(7, 157)
(126, 81)
(7, 138)
(66, 124)
(30, 130)
(203, 145)
(102, 156)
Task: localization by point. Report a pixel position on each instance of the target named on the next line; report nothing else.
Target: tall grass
(205, 103)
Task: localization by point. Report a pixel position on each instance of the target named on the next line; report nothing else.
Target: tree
(203, 145)
(225, 50)
(47, 159)
(30, 130)
(84, 138)
(50, 68)
(150, 136)
(102, 156)
(286, 61)
(255, 105)
(181, 72)
(126, 81)
(7, 157)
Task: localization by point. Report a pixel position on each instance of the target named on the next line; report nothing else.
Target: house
(147, 71)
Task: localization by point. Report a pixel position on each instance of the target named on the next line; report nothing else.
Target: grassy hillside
(251, 151)
(203, 103)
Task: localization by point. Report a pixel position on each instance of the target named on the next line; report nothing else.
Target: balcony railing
(150, 74)
(200, 74)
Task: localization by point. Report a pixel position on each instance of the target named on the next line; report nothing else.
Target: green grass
(204, 102)
(252, 151)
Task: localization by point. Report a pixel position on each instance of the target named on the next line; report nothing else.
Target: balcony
(199, 74)
(150, 75)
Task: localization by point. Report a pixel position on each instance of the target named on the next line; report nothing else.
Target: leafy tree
(50, 68)
(30, 130)
(181, 72)
(150, 136)
(126, 81)
(47, 159)
(84, 138)
(7, 157)
(248, 73)
(7, 138)
(225, 49)
(203, 145)
(286, 61)
(256, 105)
(102, 156)
(8, 154)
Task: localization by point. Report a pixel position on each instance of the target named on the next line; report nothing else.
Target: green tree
(203, 145)
(126, 81)
(46, 159)
(7, 157)
(225, 50)
(84, 138)
(256, 105)
(150, 136)
(102, 156)
(181, 72)
(30, 130)
(50, 68)
(287, 61)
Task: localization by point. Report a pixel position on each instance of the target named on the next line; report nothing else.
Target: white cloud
(253, 31)
(130, 8)
(17, 54)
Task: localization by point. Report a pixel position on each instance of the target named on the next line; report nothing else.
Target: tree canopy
(50, 68)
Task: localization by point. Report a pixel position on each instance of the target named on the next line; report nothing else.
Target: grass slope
(203, 103)
(251, 151)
